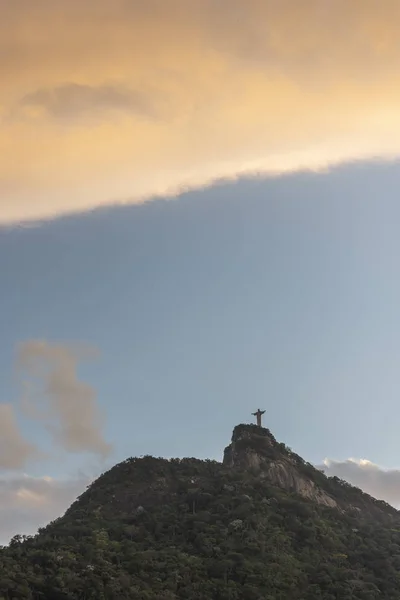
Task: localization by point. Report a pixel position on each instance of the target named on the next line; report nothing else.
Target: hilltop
(262, 525)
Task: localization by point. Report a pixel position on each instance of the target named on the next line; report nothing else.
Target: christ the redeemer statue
(258, 414)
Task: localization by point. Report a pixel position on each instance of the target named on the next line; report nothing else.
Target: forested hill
(262, 525)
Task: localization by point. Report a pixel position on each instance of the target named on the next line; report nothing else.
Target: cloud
(27, 503)
(55, 396)
(238, 87)
(76, 101)
(15, 451)
(383, 484)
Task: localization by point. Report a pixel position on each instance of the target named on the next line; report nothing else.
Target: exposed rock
(285, 475)
(255, 448)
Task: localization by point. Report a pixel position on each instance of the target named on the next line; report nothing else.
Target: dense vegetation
(153, 529)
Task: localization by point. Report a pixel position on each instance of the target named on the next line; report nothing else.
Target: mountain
(262, 525)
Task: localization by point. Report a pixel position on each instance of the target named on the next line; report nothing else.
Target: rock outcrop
(255, 448)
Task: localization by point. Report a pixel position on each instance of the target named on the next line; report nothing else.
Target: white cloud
(383, 484)
(27, 503)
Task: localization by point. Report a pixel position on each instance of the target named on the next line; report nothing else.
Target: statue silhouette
(258, 414)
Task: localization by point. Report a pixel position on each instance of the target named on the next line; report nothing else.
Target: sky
(198, 217)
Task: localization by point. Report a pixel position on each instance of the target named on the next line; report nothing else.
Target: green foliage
(153, 529)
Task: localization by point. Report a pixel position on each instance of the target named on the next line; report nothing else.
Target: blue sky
(274, 293)
(279, 292)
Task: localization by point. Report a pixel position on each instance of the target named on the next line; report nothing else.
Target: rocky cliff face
(255, 448)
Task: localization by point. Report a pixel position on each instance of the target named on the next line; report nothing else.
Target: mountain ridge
(262, 524)
(256, 448)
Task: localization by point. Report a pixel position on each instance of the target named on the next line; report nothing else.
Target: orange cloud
(67, 406)
(118, 100)
(15, 450)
